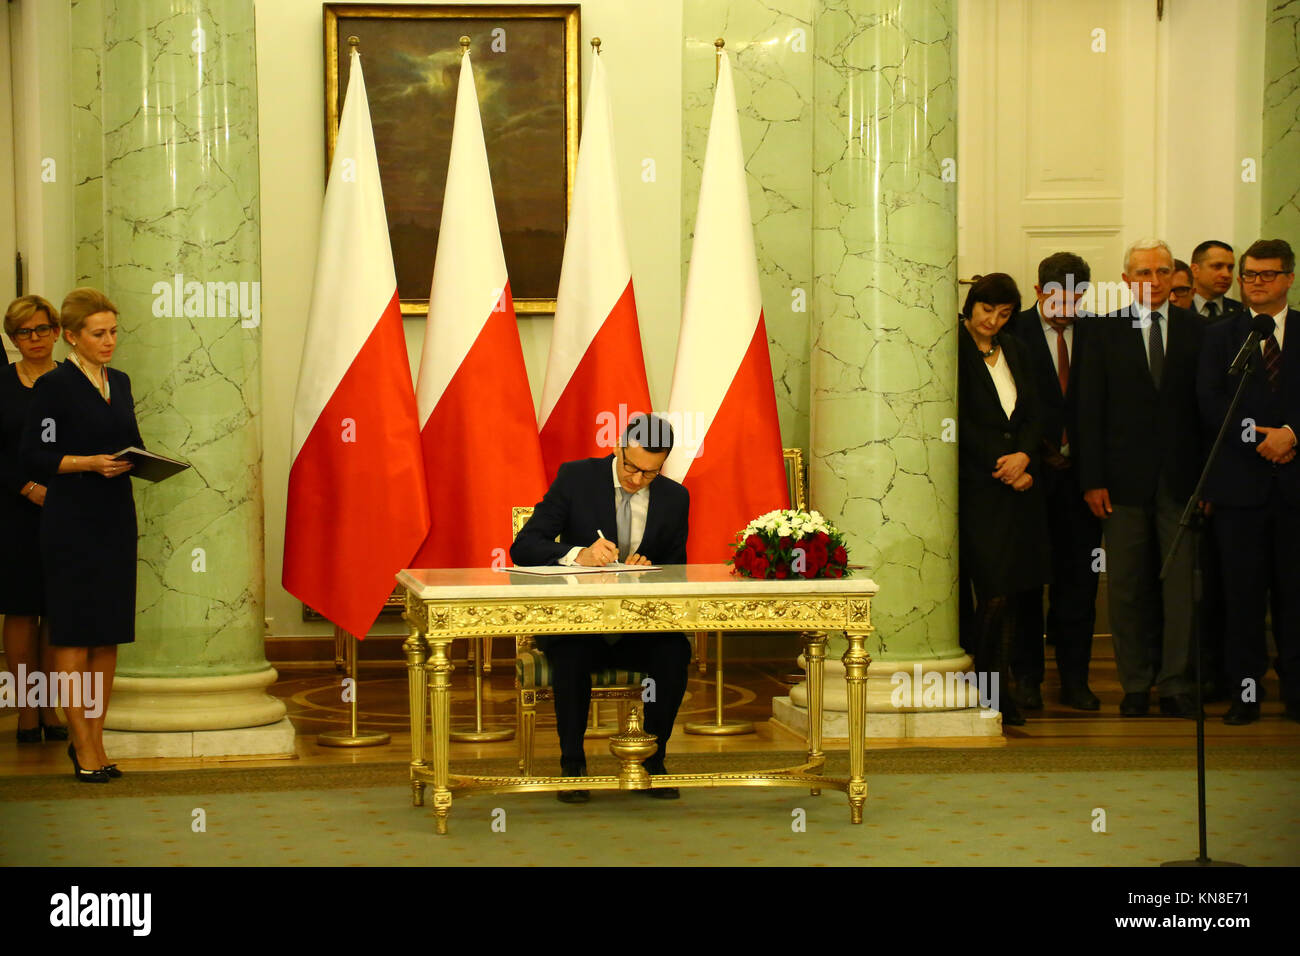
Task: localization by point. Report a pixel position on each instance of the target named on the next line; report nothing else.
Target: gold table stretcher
(443, 605)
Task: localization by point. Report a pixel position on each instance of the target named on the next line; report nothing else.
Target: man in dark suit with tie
(1139, 456)
(1255, 484)
(1056, 337)
(1212, 265)
(622, 494)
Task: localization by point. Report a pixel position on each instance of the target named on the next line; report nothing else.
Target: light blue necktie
(624, 525)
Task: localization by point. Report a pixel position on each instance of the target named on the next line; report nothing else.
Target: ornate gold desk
(443, 605)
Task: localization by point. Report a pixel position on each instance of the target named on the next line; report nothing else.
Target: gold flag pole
(719, 727)
(480, 734)
(353, 737)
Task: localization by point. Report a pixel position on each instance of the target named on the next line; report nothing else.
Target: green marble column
(1280, 170)
(165, 129)
(883, 357)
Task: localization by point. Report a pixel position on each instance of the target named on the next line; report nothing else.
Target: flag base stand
(481, 734)
(352, 737)
(718, 727)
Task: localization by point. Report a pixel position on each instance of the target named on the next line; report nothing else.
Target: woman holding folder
(81, 414)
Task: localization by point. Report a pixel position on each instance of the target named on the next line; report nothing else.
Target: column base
(222, 702)
(966, 722)
(905, 698)
(269, 740)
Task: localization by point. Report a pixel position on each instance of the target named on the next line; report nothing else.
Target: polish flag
(356, 510)
(728, 451)
(479, 431)
(595, 375)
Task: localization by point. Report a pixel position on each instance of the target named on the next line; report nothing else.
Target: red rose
(782, 570)
(835, 572)
(822, 538)
(743, 558)
(841, 556)
(758, 568)
(785, 543)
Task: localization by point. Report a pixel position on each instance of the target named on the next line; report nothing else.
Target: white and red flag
(728, 450)
(595, 375)
(356, 509)
(478, 428)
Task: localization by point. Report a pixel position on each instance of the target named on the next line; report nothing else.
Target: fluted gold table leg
(856, 660)
(417, 654)
(439, 669)
(815, 658)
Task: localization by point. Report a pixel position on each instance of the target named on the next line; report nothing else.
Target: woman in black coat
(32, 324)
(82, 413)
(1003, 524)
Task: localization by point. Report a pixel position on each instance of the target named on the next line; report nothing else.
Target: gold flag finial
(464, 45)
(354, 41)
(595, 45)
(718, 44)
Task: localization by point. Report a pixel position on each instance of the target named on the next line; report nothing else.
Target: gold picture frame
(526, 65)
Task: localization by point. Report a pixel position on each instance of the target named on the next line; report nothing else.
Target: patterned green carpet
(1028, 806)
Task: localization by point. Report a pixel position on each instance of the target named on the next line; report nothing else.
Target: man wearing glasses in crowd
(1255, 484)
(597, 511)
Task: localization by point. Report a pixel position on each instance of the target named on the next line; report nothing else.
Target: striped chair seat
(534, 670)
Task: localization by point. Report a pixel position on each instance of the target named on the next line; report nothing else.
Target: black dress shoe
(1030, 698)
(1135, 705)
(1179, 705)
(1012, 717)
(1240, 714)
(54, 731)
(659, 793)
(573, 796)
(1079, 698)
(32, 736)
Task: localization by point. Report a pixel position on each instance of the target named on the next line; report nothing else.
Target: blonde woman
(82, 413)
(32, 324)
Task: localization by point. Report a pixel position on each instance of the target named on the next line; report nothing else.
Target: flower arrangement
(790, 544)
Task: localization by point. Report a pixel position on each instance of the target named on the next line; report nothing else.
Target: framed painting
(526, 68)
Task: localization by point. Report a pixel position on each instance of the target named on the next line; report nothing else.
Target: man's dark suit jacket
(1056, 411)
(1131, 435)
(1241, 476)
(581, 500)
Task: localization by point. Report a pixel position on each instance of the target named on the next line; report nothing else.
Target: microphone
(1260, 326)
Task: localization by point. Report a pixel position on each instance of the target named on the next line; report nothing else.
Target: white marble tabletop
(672, 579)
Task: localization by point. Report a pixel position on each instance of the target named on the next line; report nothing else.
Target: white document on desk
(552, 569)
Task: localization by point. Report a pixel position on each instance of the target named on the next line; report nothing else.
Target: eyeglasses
(1268, 275)
(1181, 290)
(40, 331)
(630, 469)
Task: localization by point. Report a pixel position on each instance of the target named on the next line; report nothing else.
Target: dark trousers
(1151, 620)
(1074, 535)
(1213, 621)
(1260, 552)
(665, 658)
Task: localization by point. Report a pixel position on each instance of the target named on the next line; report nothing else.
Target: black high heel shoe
(85, 776)
(111, 770)
(54, 732)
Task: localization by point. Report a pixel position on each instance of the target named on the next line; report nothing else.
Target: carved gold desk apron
(445, 604)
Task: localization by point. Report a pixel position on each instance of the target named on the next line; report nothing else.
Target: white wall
(642, 45)
(1214, 87)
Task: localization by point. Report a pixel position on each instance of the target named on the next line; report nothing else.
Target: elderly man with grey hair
(1139, 455)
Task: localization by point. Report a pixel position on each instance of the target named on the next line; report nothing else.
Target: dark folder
(149, 466)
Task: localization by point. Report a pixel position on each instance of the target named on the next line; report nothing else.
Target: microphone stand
(1193, 521)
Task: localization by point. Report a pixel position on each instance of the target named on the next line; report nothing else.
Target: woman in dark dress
(1003, 524)
(81, 414)
(32, 325)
